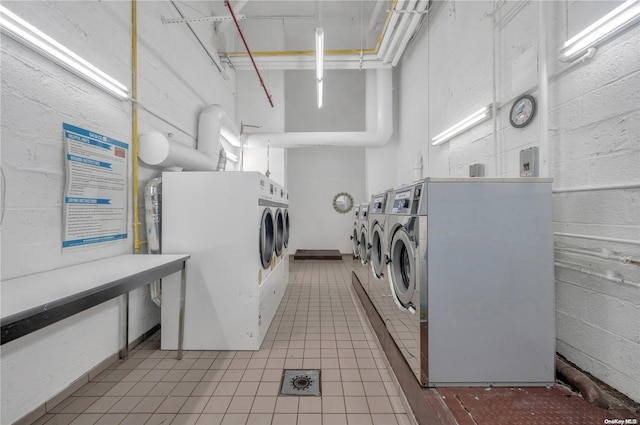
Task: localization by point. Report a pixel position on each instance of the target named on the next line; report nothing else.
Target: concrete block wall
(469, 53)
(176, 80)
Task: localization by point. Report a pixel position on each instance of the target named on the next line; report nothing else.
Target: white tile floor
(319, 325)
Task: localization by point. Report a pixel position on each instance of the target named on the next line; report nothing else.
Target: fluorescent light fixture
(25, 33)
(613, 22)
(230, 156)
(470, 121)
(319, 63)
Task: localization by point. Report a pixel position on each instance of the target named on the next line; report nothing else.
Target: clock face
(522, 111)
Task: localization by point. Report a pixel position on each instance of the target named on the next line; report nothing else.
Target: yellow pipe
(326, 52)
(134, 150)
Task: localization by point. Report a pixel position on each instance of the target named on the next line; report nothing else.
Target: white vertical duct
(381, 135)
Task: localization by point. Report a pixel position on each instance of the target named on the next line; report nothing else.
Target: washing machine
(378, 286)
(232, 224)
(364, 246)
(472, 277)
(355, 231)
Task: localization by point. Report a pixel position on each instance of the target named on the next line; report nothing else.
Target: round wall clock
(522, 111)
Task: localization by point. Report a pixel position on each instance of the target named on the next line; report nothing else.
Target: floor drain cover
(300, 382)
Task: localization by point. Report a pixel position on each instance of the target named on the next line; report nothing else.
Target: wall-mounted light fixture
(319, 63)
(25, 33)
(470, 121)
(612, 23)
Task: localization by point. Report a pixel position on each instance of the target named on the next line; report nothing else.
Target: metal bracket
(203, 19)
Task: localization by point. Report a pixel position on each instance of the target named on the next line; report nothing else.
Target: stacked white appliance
(233, 225)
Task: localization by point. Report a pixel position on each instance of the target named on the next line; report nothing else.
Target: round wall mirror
(342, 202)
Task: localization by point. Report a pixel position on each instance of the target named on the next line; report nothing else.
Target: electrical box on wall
(529, 162)
(476, 170)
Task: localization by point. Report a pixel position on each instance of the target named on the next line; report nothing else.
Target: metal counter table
(33, 302)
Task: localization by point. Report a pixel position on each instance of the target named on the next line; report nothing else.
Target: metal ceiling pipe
(386, 39)
(381, 135)
(415, 20)
(399, 31)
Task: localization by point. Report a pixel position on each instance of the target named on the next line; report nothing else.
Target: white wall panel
(315, 176)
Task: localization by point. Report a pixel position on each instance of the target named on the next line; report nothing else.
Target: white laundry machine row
(234, 226)
(470, 269)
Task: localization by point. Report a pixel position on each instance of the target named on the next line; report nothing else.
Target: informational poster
(95, 195)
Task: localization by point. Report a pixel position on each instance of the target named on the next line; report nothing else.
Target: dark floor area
(528, 406)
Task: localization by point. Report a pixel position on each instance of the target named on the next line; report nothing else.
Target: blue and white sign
(95, 196)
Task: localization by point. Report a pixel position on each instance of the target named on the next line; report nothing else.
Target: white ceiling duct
(381, 135)
(213, 123)
(155, 149)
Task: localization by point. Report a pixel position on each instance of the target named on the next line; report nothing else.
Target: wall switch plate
(529, 162)
(476, 170)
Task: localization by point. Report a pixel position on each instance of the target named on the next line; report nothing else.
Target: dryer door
(267, 239)
(286, 228)
(402, 269)
(376, 253)
(279, 222)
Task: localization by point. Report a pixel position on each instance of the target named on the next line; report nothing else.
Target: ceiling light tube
(319, 63)
(612, 23)
(231, 156)
(25, 33)
(470, 121)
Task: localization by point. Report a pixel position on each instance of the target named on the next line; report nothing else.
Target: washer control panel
(406, 200)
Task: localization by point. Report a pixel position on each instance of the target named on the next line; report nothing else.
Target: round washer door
(286, 228)
(401, 269)
(355, 242)
(267, 239)
(279, 220)
(376, 253)
(364, 245)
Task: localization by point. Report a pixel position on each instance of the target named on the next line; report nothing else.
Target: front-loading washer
(355, 231)
(471, 274)
(378, 286)
(364, 247)
(407, 274)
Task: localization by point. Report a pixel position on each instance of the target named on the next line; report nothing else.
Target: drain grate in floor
(300, 382)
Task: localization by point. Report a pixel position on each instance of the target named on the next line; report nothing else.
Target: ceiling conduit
(381, 135)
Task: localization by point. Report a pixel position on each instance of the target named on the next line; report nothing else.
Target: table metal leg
(183, 289)
(124, 353)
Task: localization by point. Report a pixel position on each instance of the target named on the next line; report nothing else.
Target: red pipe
(233, 15)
